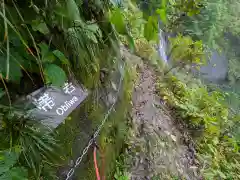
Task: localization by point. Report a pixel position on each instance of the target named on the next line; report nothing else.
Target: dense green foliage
(217, 25)
(201, 26)
(48, 42)
(45, 43)
(186, 52)
(8, 160)
(206, 113)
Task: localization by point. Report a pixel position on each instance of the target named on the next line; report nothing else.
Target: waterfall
(162, 46)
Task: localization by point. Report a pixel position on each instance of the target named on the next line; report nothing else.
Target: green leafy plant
(207, 113)
(184, 51)
(119, 22)
(120, 169)
(47, 42)
(36, 144)
(54, 75)
(8, 168)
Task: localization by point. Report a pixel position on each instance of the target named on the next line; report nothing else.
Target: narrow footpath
(156, 149)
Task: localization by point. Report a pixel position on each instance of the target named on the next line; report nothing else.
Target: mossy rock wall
(76, 131)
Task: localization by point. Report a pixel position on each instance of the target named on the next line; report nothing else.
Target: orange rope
(95, 163)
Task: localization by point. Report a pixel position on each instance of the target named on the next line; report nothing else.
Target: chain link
(90, 142)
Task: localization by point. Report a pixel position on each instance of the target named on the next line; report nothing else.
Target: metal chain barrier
(95, 135)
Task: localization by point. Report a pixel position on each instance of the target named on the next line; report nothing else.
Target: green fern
(8, 165)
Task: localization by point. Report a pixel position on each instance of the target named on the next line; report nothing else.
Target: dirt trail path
(156, 148)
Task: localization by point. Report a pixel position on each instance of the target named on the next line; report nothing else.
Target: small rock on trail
(156, 150)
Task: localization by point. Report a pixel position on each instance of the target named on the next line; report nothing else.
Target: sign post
(53, 104)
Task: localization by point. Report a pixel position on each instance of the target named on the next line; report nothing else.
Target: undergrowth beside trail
(207, 113)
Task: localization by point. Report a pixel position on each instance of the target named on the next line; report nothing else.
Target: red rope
(95, 163)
